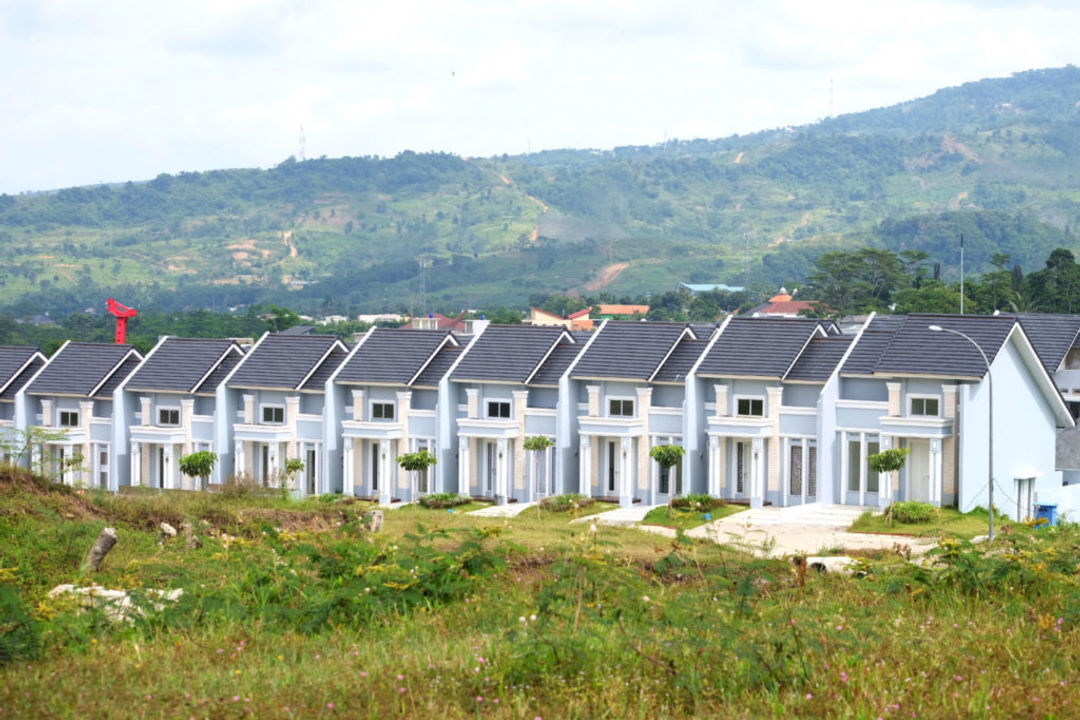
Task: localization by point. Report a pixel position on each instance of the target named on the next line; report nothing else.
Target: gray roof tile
(632, 350)
(15, 384)
(438, 367)
(392, 356)
(12, 360)
(1050, 335)
(682, 359)
(282, 361)
(77, 368)
(761, 347)
(557, 363)
(819, 359)
(126, 368)
(317, 381)
(179, 364)
(507, 353)
(917, 350)
(210, 384)
(867, 352)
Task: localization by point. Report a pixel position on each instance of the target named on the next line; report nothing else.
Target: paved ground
(620, 516)
(508, 510)
(806, 529)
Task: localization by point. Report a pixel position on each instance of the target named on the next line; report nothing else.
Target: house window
(749, 407)
(925, 406)
(498, 409)
(382, 411)
(273, 415)
(620, 408)
(69, 418)
(103, 466)
(168, 416)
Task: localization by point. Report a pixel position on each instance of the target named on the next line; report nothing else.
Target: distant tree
(199, 465)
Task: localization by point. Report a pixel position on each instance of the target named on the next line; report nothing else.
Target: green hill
(995, 159)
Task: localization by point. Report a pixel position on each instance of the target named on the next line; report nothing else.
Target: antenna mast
(302, 155)
(961, 273)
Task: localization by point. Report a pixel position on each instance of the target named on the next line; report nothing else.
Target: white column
(714, 466)
(502, 484)
(844, 463)
(862, 469)
(585, 466)
(168, 476)
(785, 470)
(756, 473)
(349, 475)
(386, 477)
(654, 474)
(935, 472)
(463, 466)
(885, 487)
(805, 470)
(626, 480)
(239, 459)
(275, 462)
(136, 463)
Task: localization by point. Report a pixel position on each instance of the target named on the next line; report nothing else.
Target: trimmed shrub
(566, 502)
(444, 500)
(699, 502)
(912, 512)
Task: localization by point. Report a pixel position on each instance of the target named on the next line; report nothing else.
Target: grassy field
(945, 521)
(293, 610)
(686, 519)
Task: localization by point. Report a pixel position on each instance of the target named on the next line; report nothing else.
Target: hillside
(994, 159)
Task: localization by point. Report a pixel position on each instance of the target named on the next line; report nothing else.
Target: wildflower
(532, 618)
(280, 657)
(521, 619)
(401, 690)
(149, 697)
(400, 677)
(236, 698)
(809, 696)
(363, 674)
(479, 699)
(330, 706)
(645, 598)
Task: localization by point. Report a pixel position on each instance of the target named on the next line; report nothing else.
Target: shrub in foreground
(444, 500)
(912, 512)
(566, 502)
(699, 502)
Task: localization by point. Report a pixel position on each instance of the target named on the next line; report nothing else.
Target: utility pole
(961, 273)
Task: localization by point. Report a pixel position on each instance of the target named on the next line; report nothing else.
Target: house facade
(72, 397)
(17, 366)
(388, 400)
(171, 408)
(279, 392)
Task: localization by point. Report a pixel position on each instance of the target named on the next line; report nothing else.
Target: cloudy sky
(114, 90)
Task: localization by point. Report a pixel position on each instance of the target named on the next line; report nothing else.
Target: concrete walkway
(620, 516)
(507, 510)
(808, 529)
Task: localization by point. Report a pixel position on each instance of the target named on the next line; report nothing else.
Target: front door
(612, 467)
(918, 470)
(309, 468)
(742, 468)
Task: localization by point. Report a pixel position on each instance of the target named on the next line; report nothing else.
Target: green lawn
(946, 521)
(687, 519)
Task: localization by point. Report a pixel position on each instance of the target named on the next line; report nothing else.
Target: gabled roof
(759, 347)
(430, 376)
(508, 353)
(392, 356)
(917, 350)
(284, 361)
(80, 368)
(210, 384)
(632, 350)
(181, 364)
(556, 364)
(17, 365)
(819, 359)
(316, 382)
(682, 360)
(128, 366)
(872, 344)
(1051, 335)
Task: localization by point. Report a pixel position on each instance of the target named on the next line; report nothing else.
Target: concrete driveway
(807, 529)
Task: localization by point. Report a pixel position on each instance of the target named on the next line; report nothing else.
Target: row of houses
(769, 411)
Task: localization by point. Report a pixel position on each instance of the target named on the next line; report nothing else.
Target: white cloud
(116, 90)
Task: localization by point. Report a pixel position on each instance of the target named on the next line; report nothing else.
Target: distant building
(380, 317)
(579, 320)
(438, 321)
(781, 305)
(698, 288)
(606, 312)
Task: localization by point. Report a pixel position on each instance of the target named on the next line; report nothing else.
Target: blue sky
(111, 91)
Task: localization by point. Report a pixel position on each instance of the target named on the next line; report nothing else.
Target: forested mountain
(997, 160)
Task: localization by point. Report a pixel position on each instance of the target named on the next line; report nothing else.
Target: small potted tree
(417, 462)
(667, 457)
(199, 465)
(888, 461)
(292, 467)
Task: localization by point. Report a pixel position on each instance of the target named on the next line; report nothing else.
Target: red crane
(122, 313)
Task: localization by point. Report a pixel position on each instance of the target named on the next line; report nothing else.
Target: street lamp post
(990, 385)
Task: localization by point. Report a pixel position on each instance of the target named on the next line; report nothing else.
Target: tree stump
(192, 541)
(374, 521)
(104, 543)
